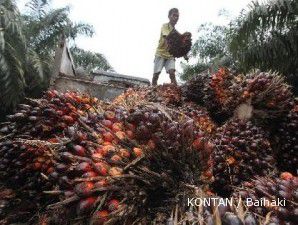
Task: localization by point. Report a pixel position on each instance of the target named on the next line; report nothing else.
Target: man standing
(162, 56)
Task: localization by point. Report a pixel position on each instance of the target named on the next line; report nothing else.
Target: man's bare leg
(173, 77)
(155, 79)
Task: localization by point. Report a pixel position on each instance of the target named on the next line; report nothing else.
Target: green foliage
(190, 70)
(210, 50)
(12, 59)
(90, 60)
(45, 25)
(43, 28)
(212, 41)
(266, 36)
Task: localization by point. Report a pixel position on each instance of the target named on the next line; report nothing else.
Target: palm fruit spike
(242, 151)
(195, 89)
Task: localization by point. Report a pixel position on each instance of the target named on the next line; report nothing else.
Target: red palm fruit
(84, 167)
(121, 135)
(151, 144)
(198, 144)
(110, 115)
(50, 170)
(70, 106)
(50, 94)
(68, 96)
(68, 119)
(286, 176)
(100, 217)
(130, 134)
(84, 188)
(53, 140)
(105, 143)
(124, 153)
(138, 152)
(107, 149)
(115, 171)
(131, 127)
(107, 123)
(81, 112)
(116, 158)
(79, 150)
(89, 174)
(107, 136)
(113, 205)
(81, 136)
(85, 205)
(102, 168)
(97, 156)
(99, 149)
(101, 183)
(117, 127)
(59, 112)
(36, 166)
(209, 146)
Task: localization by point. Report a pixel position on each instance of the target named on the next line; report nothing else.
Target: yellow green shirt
(162, 49)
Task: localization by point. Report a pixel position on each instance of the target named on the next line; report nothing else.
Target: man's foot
(173, 79)
(154, 79)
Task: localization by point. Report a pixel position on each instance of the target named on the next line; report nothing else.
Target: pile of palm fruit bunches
(219, 150)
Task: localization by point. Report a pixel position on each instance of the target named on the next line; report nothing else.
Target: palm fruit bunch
(220, 93)
(131, 97)
(158, 128)
(179, 44)
(25, 167)
(166, 94)
(269, 94)
(23, 162)
(195, 89)
(242, 151)
(134, 172)
(287, 142)
(49, 116)
(223, 94)
(200, 115)
(277, 196)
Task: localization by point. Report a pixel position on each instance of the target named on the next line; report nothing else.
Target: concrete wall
(101, 91)
(120, 79)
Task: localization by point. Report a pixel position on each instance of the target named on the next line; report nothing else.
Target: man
(162, 56)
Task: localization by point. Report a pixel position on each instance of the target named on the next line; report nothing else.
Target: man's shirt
(162, 49)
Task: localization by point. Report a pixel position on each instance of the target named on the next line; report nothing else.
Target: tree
(90, 60)
(43, 27)
(12, 57)
(266, 37)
